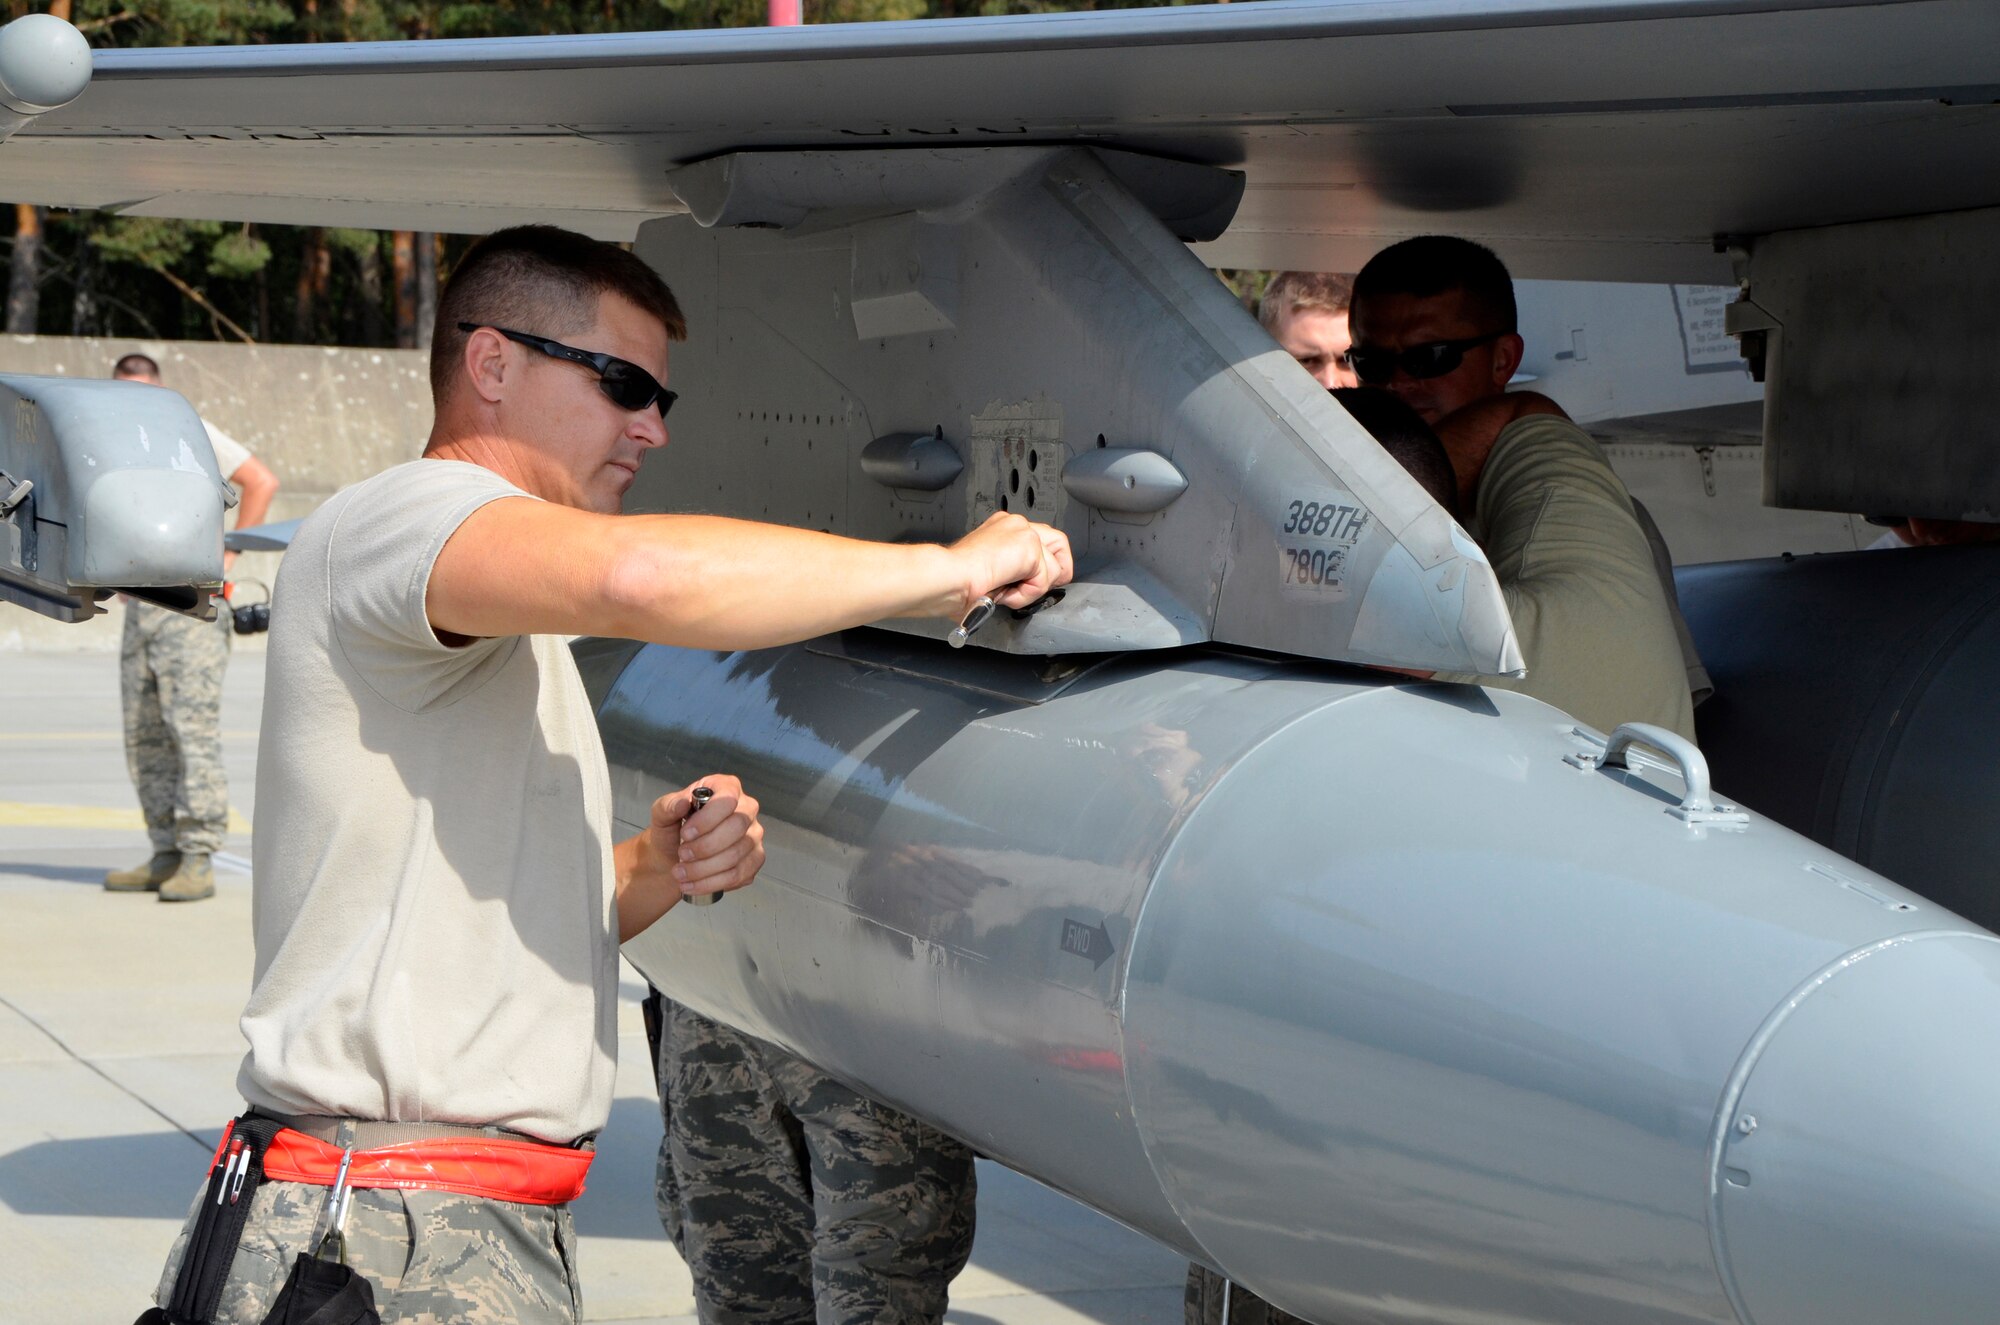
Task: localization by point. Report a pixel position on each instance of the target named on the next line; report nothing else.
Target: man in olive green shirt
(1434, 322)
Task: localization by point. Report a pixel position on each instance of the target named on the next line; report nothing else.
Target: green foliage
(354, 242)
(148, 241)
(185, 22)
(1247, 285)
(206, 247)
(239, 255)
(863, 11)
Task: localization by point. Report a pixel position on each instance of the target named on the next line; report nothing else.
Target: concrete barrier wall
(322, 418)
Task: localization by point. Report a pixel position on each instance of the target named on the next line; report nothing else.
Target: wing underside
(1608, 140)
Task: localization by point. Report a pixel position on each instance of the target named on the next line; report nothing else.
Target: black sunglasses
(1431, 359)
(628, 385)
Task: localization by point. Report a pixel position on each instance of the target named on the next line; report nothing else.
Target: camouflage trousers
(433, 1258)
(795, 1200)
(171, 673)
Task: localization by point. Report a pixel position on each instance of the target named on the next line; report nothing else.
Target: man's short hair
(137, 365)
(1406, 437)
(545, 281)
(1431, 265)
(1309, 291)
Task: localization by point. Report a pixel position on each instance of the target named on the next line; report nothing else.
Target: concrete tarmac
(119, 1049)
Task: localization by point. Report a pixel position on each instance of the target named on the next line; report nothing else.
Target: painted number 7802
(1320, 568)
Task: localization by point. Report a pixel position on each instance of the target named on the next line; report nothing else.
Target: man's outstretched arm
(517, 566)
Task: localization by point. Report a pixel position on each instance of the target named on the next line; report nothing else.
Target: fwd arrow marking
(1091, 941)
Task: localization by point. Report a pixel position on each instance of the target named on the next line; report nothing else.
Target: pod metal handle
(1698, 805)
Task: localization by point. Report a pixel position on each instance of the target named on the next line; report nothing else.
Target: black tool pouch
(653, 1011)
(218, 1227)
(321, 1292)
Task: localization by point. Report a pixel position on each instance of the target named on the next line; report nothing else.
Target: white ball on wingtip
(44, 63)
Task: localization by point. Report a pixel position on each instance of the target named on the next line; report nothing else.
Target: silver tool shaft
(701, 796)
(980, 612)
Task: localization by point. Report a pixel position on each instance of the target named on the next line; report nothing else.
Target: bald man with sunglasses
(438, 901)
(1590, 590)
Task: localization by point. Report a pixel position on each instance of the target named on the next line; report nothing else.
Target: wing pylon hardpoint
(1035, 314)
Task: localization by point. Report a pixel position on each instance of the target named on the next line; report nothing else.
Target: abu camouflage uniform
(171, 672)
(794, 1199)
(433, 1258)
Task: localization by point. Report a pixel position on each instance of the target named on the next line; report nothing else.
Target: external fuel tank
(1857, 700)
(1390, 1002)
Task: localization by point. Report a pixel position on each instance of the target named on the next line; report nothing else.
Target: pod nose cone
(150, 527)
(1858, 1173)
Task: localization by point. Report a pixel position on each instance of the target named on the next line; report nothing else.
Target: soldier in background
(171, 674)
(794, 1199)
(1306, 313)
(1591, 595)
(1409, 441)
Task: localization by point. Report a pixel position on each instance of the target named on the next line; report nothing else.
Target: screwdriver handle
(974, 619)
(701, 796)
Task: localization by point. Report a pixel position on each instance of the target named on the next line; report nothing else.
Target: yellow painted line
(99, 736)
(25, 814)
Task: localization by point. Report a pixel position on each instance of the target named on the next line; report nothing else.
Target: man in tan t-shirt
(1434, 321)
(438, 903)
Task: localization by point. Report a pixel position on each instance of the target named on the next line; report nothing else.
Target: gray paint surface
(1360, 994)
(1855, 703)
(1019, 906)
(1563, 133)
(1621, 141)
(1096, 331)
(1838, 1104)
(1879, 360)
(109, 486)
(1559, 131)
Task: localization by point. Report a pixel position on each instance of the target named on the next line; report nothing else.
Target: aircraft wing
(275, 537)
(1612, 140)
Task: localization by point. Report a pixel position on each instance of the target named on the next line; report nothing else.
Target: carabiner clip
(338, 1198)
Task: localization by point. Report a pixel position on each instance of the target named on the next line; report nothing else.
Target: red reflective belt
(490, 1167)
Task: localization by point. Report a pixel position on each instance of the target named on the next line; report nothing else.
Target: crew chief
(438, 904)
